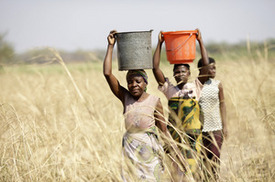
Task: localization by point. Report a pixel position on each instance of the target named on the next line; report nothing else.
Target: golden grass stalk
(46, 135)
(60, 60)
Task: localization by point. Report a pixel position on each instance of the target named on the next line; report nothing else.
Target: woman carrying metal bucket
(183, 104)
(143, 112)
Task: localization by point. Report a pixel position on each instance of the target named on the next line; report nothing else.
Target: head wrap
(138, 73)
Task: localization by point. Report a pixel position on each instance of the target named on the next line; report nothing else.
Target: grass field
(53, 130)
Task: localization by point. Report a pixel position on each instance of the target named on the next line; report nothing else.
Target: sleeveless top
(210, 106)
(141, 145)
(139, 115)
(189, 90)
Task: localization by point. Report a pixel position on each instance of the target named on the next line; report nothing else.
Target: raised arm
(156, 61)
(223, 110)
(204, 54)
(116, 88)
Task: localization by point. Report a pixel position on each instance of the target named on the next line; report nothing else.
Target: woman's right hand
(111, 37)
(160, 38)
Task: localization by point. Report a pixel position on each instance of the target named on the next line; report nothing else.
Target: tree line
(43, 55)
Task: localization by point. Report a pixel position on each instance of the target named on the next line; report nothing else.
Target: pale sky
(85, 24)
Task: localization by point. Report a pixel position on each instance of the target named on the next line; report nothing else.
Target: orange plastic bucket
(180, 46)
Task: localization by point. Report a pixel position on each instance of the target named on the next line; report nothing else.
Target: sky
(84, 24)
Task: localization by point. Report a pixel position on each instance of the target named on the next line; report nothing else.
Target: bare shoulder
(220, 85)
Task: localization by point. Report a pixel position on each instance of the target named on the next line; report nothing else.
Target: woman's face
(136, 85)
(181, 74)
(212, 70)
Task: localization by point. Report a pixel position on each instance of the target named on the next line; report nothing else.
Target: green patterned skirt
(186, 129)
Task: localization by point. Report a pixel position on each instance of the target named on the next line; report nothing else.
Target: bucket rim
(179, 32)
(142, 31)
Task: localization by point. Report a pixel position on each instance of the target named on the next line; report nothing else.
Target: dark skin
(223, 111)
(136, 87)
(212, 70)
(212, 74)
(181, 73)
(136, 84)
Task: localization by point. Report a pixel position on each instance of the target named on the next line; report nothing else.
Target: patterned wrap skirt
(142, 154)
(184, 116)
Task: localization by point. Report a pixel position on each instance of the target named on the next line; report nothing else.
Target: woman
(143, 113)
(183, 104)
(213, 114)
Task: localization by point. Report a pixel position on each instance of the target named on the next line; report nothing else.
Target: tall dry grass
(56, 127)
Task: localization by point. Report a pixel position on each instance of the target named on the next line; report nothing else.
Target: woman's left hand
(198, 35)
(225, 132)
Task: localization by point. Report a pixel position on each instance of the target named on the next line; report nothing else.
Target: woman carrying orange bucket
(183, 104)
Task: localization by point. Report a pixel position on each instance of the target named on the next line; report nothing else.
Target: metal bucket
(134, 50)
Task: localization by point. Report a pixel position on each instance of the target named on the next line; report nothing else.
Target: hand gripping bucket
(180, 46)
(134, 50)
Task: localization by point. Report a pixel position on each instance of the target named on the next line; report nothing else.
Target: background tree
(6, 51)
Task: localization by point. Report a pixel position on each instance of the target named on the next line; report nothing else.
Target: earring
(145, 89)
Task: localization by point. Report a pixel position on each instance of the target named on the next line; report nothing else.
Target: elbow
(155, 71)
(107, 73)
(155, 65)
(155, 68)
(107, 70)
(222, 108)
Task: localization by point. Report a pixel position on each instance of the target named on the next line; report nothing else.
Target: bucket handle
(180, 46)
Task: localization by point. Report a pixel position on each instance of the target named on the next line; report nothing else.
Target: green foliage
(248, 50)
(6, 51)
(219, 51)
(253, 50)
